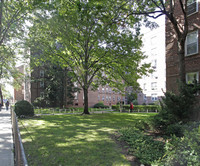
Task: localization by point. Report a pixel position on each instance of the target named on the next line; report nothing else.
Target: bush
(175, 109)
(116, 107)
(183, 150)
(142, 146)
(24, 108)
(100, 105)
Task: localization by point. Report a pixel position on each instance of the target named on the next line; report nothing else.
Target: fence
(20, 158)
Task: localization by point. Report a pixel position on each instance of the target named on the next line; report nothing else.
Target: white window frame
(197, 43)
(41, 84)
(192, 73)
(41, 73)
(197, 8)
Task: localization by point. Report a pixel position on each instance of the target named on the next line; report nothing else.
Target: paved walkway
(6, 140)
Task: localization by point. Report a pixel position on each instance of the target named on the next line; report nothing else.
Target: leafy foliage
(96, 42)
(142, 146)
(175, 108)
(100, 105)
(23, 108)
(183, 150)
(58, 90)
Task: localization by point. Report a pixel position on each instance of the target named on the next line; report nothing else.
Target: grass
(73, 140)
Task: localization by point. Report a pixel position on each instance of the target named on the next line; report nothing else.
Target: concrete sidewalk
(6, 139)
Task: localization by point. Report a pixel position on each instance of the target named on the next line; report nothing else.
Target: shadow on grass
(75, 140)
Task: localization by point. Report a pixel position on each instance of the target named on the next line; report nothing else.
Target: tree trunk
(181, 55)
(1, 96)
(85, 91)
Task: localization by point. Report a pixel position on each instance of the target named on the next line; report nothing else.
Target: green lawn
(75, 140)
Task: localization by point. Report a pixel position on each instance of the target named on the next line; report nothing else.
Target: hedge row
(138, 108)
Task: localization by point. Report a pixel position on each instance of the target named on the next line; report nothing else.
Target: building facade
(103, 94)
(36, 89)
(153, 85)
(192, 45)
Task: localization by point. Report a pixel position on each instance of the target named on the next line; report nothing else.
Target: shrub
(116, 107)
(175, 129)
(24, 108)
(175, 108)
(183, 150)
(100, 105)
(142, 146)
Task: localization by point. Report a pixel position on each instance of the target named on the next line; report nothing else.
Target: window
(154, 75)
(102, 98)
(145, 97)
(118, 98)
(102, 90)
(113, 98)
(192, 7)
(154, 86)
(144, 87)
(154, 64)
(109, 98)
(76, 95)
(106, 98)
(106, 90)
(191, 78)
(41, 73)
(154, 97)
(41, 84)
(98, 98)
(191, 43)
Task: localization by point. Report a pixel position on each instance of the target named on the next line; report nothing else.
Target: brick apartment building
(192, 45)
(103, 94)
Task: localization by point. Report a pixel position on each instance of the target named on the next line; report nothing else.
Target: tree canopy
(94, 39)
(12, 17)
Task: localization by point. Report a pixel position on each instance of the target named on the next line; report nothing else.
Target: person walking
(131, 107)
(7, 104)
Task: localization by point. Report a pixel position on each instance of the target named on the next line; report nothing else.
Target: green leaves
(142, 146)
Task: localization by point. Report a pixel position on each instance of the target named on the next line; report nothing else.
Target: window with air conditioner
(191, 46)
(192, 7)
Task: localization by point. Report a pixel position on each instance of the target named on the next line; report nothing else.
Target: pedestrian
(131, 107)
(7, 104)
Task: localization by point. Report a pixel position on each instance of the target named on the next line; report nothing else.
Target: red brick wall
(192, 63)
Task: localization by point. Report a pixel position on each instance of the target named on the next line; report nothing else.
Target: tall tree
(12, 18)
(58, 88)
(97, 43)
(179, 22)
